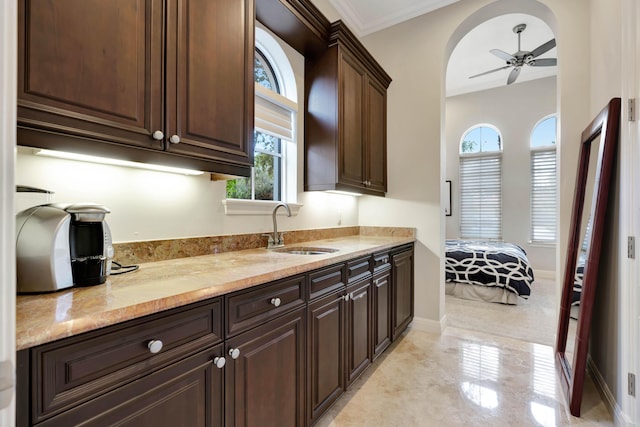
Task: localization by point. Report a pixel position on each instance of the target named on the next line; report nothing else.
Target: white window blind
(481, 197)
(543, 196)
(274, 114)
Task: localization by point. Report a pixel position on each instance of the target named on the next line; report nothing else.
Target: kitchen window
(273, 175)
(481, 183)
(543, 181)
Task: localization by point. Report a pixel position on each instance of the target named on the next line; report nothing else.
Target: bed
(487, 271)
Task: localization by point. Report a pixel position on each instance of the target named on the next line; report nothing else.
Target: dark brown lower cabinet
(292, 348)
(189, 393)
(265, 381)
(381, 324)
(326, 346)
(402, 282)
(359, 348)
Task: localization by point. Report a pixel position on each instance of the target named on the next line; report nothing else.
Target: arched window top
(482, 138)
(544, 132)
(273, 54)
(263, 72)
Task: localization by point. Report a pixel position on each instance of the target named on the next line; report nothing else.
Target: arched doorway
(514, 109)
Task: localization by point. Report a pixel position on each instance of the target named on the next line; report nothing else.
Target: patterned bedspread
(489, 264)
(577, 279)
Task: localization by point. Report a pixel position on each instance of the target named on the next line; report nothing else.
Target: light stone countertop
(163, 285)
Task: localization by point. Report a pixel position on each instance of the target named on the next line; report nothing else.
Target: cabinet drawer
(177, 395)
(70, 371)
(327, 280)
(381, 261)
(358, 269)
(247, 309)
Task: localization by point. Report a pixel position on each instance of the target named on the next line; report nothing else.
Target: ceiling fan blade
(513, 75)
(503, 55)
(491, 71)
(545, 47)
(544, 62)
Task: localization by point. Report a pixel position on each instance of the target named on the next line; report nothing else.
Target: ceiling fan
(521, 58)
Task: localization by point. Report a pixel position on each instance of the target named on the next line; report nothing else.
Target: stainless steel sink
(306, 250)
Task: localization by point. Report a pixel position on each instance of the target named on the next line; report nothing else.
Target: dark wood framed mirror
(598, 145)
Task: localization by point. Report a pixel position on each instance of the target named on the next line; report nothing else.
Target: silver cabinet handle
(155, 346)
(158, 135)
(276, 302)
(355, 298)
(175, 139)
(220, 362)
(346, 297)
(234, 353)
(380, 282)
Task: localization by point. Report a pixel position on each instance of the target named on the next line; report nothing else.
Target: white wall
(148, 205)
(514, 110)
(614, 331)
(415, 53)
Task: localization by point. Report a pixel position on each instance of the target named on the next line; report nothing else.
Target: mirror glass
(598, 146)
(586, 225)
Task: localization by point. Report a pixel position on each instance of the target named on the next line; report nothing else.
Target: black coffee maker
(89, 244)
(62, 245)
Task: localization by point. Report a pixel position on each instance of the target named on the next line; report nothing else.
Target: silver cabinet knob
(220, 362)
(234, 353)
(276, 302)
(175, 139)
(346, 297)
(155, 346)
(158, 135)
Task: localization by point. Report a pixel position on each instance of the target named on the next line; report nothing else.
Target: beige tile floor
(469, 376)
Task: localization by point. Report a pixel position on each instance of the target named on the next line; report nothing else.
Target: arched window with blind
(274, 128)
(481, 183)
(543, 181)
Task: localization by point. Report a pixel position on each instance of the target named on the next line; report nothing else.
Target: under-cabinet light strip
(115, 162)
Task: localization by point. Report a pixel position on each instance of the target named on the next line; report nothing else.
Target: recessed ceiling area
(472, 54)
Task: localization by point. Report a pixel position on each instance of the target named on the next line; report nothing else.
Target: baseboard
(545, 274)
(620, 419)
(428, 325)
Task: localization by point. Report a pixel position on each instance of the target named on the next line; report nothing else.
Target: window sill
(255, 207)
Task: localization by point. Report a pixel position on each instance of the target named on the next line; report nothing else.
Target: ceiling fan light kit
(522, 57)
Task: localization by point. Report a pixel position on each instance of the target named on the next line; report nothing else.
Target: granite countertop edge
(163, 285)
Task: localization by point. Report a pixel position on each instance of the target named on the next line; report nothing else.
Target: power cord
(116, 266)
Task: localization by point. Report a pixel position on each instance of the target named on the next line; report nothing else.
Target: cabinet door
(402, 280)
(92, 68)
(351, 92)
(265, 383)
(376, 136)
(326, 349)
(188, 393)
(210, 79)
(381, 312)
(359, 348)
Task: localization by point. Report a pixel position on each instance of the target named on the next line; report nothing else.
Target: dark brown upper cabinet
(159, 81)
(346, 114)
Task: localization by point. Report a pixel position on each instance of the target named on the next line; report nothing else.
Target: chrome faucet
(277, 240)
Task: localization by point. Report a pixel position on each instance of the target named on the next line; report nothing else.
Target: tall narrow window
(273, 124)
(481, 183)
(543, 181)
